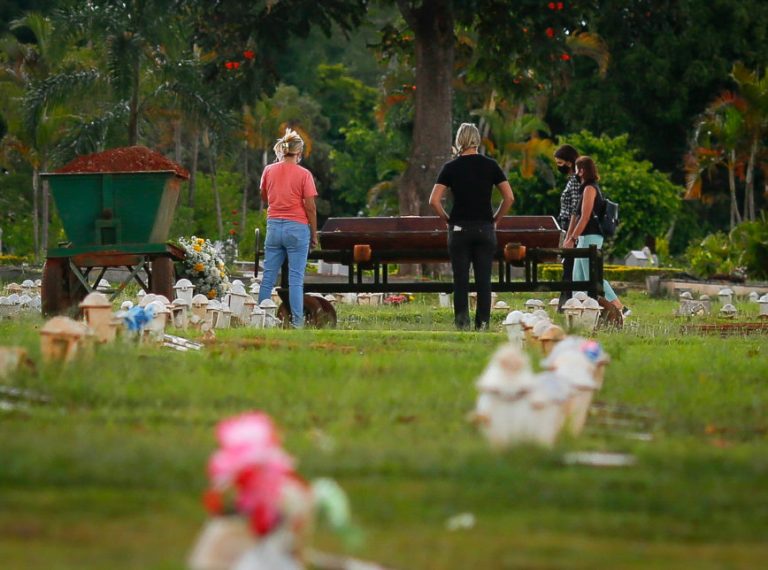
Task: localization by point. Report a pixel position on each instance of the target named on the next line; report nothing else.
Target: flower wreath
(204, 267)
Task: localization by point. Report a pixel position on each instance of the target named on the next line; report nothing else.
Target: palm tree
(137, 36)
(716, 141)
(753, 106)
(731, 133)
(35, 129)
(260, 125)
(514, 139)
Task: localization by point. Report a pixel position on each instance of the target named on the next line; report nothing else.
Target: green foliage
(744, 249)
(368, 158)
(712, 255)
(343, 98)
(750, 239)
(667, 61)
(226, 30)
(648, 200)
(535, 196)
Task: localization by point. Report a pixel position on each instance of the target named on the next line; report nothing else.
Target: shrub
(14, 259)
(554, 272)
(744, 249)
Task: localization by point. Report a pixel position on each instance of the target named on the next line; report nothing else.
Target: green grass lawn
(108, 472)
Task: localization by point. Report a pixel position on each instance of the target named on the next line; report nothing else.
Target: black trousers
(472, 244)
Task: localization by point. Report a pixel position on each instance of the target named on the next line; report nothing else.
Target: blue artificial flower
(136, 318)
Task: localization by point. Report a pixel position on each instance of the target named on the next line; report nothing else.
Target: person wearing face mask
(586, 229)
(565, 160)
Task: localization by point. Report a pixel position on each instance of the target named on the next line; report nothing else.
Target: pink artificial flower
(252, 429)
(226, 465)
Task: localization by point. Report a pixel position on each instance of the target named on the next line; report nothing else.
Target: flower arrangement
(204, 267)
(253, 479)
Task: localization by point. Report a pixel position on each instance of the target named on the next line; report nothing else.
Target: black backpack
(609, 218)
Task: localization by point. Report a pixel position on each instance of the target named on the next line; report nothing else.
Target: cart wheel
(55, 288)
(318, 313)
(162, 278)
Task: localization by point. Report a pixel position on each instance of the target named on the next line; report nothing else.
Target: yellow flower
(212, 293)
(199, 266)
(197, 248)
(201, 241)
(222, 274)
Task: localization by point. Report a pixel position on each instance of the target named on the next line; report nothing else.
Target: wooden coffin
(418, 233)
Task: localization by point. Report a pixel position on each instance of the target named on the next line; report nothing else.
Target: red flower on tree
(249, 54)
(550, 32)
(551, 6)
(565, 57)
(560, 6)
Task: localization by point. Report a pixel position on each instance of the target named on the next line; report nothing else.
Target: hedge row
(13, 259)
(554, 272)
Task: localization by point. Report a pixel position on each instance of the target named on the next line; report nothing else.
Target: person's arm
(263, 188)
(311, 209)
(507, 199)
(587, 204)
(436, 201)
(569, 232)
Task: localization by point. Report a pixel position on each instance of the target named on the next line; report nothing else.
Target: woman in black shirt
(472, 221)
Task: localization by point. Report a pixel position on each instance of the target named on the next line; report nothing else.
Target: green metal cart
(114, 219)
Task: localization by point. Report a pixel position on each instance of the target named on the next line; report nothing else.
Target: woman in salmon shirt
(289, 190)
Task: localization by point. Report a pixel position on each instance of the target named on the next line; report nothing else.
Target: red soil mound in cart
(124, 159)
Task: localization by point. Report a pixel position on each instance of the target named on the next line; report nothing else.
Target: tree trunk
(36, 210)
(133, 120)
(432, 24)
(749, 186)
(246, 183)
(177, 144)
(193, 167)
(45, 201)
(215, 190)
(735, 216)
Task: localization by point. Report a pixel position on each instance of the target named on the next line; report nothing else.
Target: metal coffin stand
(400, 240)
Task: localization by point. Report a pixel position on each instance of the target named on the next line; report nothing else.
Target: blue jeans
(581, 264)
(286, 238)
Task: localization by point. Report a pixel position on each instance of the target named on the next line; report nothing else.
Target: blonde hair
(466, 137)
(291, 144)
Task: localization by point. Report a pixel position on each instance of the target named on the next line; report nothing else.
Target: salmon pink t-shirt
(287, 184)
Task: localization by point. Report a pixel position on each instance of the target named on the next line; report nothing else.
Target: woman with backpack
(587, 231)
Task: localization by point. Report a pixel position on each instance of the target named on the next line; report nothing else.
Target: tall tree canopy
(669, 58)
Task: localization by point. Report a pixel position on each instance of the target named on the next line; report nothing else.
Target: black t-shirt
(598, 206)
(471, 179)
